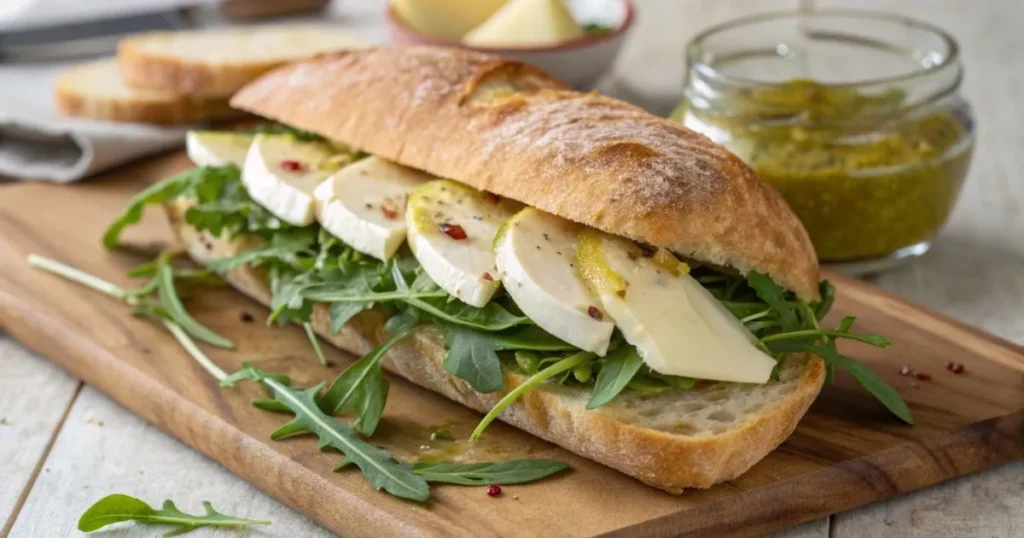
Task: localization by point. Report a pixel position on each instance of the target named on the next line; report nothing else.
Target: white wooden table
(64, 445)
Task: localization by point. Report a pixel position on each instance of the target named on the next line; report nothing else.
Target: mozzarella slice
(451, 230)
(535, 253)
(281, 174)
(677, 326)
(364, 204)
(217, 148)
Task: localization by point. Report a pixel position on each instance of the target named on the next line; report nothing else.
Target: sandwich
(565, 262)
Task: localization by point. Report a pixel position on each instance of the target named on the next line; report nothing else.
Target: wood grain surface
(847, 452)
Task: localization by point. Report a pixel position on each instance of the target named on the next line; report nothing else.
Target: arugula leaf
(618, 368)
(471, 357)
(362, 387)
(341, 313)
(864, 375)
(481, 474)
(378, 467)
(812, 335)
(282, 129)
(286, 301)
(313, 341)
(216, 216)
(171, 305)
(343, 292)
(828, 296)
(157, 193)
(118, 507)
(252, 373)
(529, 337)
(563, 365)
(492, 317)
(288, 249)
(775, 297)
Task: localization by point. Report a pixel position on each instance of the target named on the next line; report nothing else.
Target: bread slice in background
(94, 90)
(216, 63)
(672, 441)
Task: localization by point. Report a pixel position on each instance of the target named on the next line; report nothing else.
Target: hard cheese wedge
(281, 174)
(364, 205)
(217, 148)
(445, 18)
(535, 253)
(676, 325)
(526, 22)
(451, 230)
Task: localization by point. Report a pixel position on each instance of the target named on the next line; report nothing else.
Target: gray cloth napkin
(37, 144)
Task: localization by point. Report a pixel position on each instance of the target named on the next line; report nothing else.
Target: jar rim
(951, 58)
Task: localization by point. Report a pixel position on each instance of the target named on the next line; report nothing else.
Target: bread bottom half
(672, 441)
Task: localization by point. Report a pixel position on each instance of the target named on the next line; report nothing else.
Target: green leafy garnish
(528, 337)
(801, 333)
(117, 508)
(171, 304)
(158, 193)
(140, 300)
(377, 466)
(618, 368)
(315, 343)
(481, 474)
(562, 365)
(471, 357)
(362, 387)
(775, 298)
(864, 375)
(593, 28)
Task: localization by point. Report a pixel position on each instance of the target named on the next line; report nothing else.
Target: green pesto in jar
(866, 175)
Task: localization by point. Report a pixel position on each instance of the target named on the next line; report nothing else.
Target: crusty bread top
(219, 62)
(508, 128)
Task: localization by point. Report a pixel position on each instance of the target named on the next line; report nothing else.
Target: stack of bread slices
(186, 77)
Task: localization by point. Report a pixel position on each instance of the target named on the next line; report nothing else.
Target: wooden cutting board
(847, 451)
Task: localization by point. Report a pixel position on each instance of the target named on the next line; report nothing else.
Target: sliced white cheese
(217, 148)
(535, 253)
(451, 230)
(674, 323)
(524, 23)
(364, 204)
(281, 174)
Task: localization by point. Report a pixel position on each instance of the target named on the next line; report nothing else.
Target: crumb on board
(5, 422)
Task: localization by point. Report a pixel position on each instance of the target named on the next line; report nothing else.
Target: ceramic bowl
(580, 62)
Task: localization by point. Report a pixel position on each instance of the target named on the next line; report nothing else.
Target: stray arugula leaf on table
(118, 508)
(362, 387)
(503, 473)
(377, 465)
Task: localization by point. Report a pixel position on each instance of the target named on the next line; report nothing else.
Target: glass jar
(855, 117)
